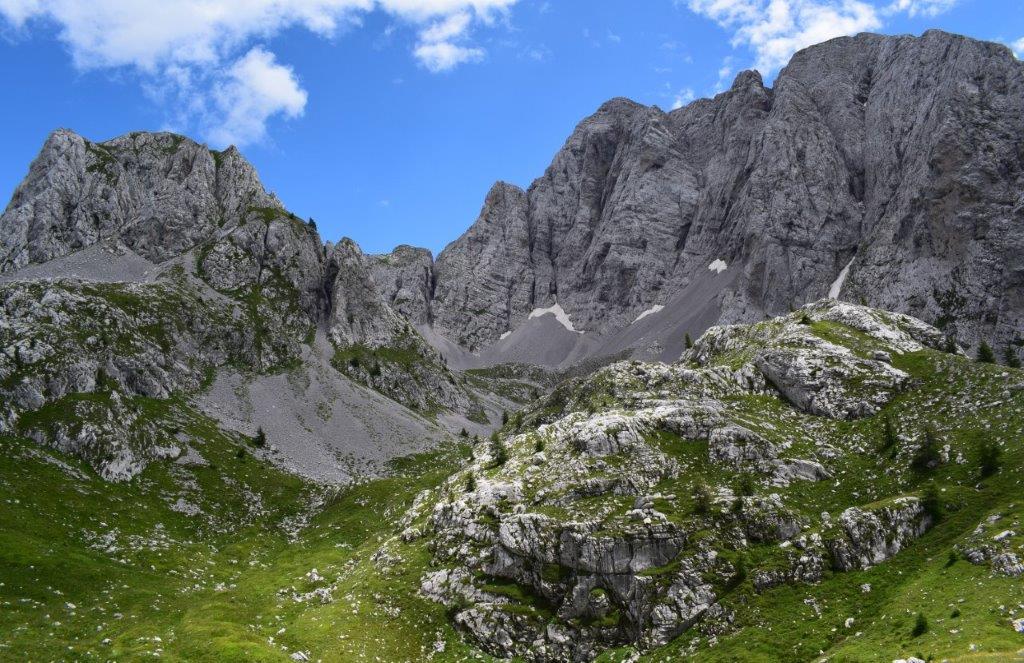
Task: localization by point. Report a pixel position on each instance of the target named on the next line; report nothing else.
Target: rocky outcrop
(599, 518)
(159, 193)
(870, 537)
(896, 158)
(405, 278)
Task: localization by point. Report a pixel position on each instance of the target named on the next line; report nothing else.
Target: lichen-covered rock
(871, 536)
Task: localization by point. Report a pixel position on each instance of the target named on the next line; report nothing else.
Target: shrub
(950, 346)
(927, 455)
(985, 354)
(889, 435)
(470, 483)
(952, 559)
(689, 341)
(931, 501)
(539, 445)
(261, 438)
(504, 417)
(805, 319)
(746, 486)
(920, 626)
(989, 453)
(499, 450)
(955, 613)
(1010, 357)
(240, 454)
(702, 500)
(463, 433)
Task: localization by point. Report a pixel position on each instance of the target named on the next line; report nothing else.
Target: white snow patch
(837, 285)
(505, 335)
(718, 266)
(651, 311)
(559, 314)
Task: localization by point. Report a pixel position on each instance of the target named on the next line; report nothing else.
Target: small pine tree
(889, 435)
(989, 453)
(955, 614)
(746, 486)
(950, 345)
(931, 501)
(539, 445)
(470, 483)
(261, 438)
(985, 354)
(805, 319)
(920, 626)
(240, 454)
(312, 223)
(702, 499)
(500, 454)
(1010, 357)
(927, 455)
(952, 559)
(463, 433)
(504, 417)
(689, 341)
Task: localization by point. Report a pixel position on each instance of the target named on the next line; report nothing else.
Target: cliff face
(159, 193)
(898, 156)
(879, 169)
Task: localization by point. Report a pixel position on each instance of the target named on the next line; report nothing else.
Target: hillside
(743, 502)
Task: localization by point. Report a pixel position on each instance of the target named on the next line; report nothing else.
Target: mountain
(150, 267)
(631, 414)
(879, 169)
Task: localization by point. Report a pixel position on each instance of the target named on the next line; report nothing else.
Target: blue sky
(388, 120)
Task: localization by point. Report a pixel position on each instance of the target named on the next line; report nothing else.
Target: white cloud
(775, 29)
(444, 55)
(191, 51)
(438, 48)
(1018, 48)
(256, 88)
(683, 97)
(921, 7)
(725, 73)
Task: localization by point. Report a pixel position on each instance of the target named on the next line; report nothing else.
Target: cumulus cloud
(205, 55)
(775, 29)
(438, 49)
(256, 88)
(1018, 48)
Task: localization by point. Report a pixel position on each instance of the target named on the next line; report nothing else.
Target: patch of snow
(506, 334)
(718, 266)
(837, 285)
(560, 315)
(651, 311)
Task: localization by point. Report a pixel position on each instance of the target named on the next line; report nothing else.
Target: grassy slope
(222, 588)
(198, 589)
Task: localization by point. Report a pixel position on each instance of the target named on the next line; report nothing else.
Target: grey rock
(898, 153)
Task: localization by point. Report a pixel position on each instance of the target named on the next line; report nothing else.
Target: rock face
(162, 199)
(159, 193)
(897, 157)
(588, 523)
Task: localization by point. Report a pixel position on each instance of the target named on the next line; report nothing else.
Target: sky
(387, 121)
